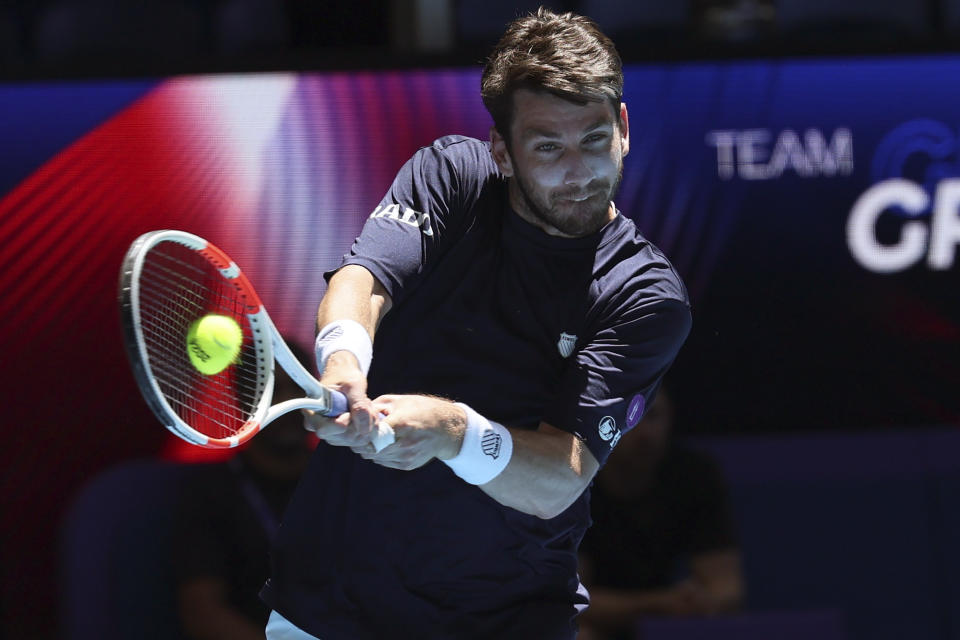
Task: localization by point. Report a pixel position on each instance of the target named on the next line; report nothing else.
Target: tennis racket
(168, 280)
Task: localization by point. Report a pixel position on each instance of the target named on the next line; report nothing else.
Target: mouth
(578, 198)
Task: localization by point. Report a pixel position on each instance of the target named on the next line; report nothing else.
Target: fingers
(395, 456)
(362, 416)
(354, 427)
(384, 405)
(417, 423)
(347, 429)
(409, 450)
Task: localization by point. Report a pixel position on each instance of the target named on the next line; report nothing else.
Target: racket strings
(178, 286)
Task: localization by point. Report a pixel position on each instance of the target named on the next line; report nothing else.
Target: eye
(596, 138)
(546, 147)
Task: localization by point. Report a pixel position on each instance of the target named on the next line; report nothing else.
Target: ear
(624, 129)
(498, 149)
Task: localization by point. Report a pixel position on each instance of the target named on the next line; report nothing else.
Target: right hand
(424, 428)
(349, 429)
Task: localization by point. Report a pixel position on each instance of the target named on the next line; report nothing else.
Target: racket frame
(268, 347)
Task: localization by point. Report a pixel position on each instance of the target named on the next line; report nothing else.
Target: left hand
(425, 428)
(349, 429)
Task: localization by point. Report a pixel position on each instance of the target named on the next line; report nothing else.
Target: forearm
(354, 294)
(548, 471)
(540, 472)
(347, 319)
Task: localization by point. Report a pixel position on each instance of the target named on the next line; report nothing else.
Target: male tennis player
(522, 324)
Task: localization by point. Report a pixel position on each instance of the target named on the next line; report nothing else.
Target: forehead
(540, 111)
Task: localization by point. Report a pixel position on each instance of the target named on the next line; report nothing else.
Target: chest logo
(566, 344)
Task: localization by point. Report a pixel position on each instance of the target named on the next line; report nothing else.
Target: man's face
(565, 161)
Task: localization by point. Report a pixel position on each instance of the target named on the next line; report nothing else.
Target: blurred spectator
(321, 25)
(660, 511)
(227, 517)
(100, 31)
(733, 20)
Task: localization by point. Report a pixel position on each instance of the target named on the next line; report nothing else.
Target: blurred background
(798, 160)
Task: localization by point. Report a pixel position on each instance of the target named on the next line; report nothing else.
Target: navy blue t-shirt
(523, 327)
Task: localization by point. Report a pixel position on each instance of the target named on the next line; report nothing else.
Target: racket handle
(382, 434)
(338, 403)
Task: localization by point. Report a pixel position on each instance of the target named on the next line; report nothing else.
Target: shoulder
(462, 146)
(461, 168)
(633, 267)
(635, 284)
(461, 154)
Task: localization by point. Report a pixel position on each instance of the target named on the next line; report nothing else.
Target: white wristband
(344, 335)
(486, 450)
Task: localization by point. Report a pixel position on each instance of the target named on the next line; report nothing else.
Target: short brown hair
(564, 54)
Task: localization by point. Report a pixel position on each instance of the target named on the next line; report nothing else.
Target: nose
(577, 172)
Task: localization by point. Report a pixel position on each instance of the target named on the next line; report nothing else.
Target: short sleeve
(615, 376)
(422, 213)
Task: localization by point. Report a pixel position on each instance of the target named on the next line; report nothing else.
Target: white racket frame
(267, 351)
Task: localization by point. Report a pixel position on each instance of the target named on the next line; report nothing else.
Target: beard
(571, 218)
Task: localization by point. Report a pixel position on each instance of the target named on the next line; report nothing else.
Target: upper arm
(604, 392)
(422, 214)
(353, 291)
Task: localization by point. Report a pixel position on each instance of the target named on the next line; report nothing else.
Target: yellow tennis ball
(213, 343)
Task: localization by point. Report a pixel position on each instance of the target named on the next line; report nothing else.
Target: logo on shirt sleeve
(609, 431)
(566, 344)
(405, 215)
(635, 410)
